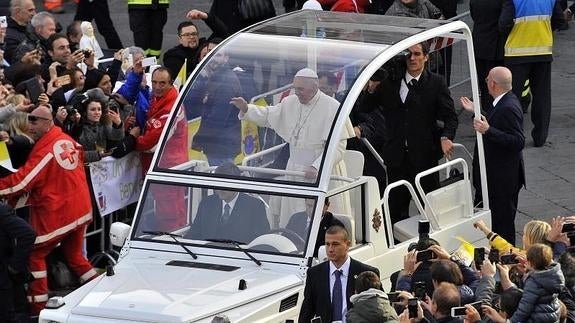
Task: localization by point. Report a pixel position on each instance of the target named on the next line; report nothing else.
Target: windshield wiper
(173, 236)
(237, 245)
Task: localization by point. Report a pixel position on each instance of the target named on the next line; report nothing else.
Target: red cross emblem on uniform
(66, 154)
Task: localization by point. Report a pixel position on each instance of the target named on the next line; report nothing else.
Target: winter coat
(371, 306)
(94, 137)
(539, 303)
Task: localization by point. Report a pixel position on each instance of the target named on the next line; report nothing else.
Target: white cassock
(306, 128)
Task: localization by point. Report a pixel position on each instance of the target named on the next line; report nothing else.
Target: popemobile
(212, 237)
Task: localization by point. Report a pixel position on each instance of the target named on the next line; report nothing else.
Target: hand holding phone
(478, 257)
(458, 311)
(412, 305)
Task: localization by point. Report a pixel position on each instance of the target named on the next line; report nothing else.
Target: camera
(393, 297)
(458, 311)
(478, 257)
(87, 53)
(394, 69)
(419, 290)
(423, 229)
(424, 255)
(568, 227)
(509, 260)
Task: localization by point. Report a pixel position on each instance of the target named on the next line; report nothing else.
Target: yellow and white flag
(181, 77)
(5, 157)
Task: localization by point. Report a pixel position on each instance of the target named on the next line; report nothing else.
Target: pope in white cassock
(304, 120)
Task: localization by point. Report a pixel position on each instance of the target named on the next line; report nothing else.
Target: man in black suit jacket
(488, 42)
(320, 279)
(503, 140)
(230, 214)
(246, 221)
(410, 105)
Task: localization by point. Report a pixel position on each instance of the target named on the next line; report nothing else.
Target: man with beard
(188, 49)
(219, 134)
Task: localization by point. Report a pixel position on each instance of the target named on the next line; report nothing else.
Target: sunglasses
(32, 118)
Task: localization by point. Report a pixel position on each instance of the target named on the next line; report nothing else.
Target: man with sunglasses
(54, 183)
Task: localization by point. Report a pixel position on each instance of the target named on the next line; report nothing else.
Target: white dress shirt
(230, 203)
(404, 89)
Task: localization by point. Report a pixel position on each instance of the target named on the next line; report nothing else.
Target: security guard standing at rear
(147, 20)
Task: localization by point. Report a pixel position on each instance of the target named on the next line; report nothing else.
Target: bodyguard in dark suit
(330, 284)
(503, 140)
(230, 214)
(488, 42)
(411, 104)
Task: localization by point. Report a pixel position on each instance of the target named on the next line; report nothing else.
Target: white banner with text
(116, 183)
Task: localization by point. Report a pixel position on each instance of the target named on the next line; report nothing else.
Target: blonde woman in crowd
(17, 138)
(534, 231)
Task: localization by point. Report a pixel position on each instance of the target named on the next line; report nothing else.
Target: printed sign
(116, 183)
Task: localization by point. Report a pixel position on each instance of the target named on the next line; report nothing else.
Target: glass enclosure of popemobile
(281, 162)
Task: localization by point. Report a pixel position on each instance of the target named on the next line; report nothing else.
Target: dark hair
(446, 296)
(165, 69)
(53, 38)
(336, 229)
(72, 29)
(185, 24)
(228, 169)
(539, 256)
(446, 271)
(367, 280)
(509, 300)
(424, 47)
(215, 40)
(71, 72)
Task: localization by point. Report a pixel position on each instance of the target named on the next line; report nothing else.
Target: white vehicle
(172, 271)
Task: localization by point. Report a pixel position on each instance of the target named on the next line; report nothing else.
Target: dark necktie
(412, 83)
(226, 215)
(337, 297)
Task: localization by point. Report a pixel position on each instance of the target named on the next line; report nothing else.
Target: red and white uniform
(170, 206)
(60, 206)
(176, 152)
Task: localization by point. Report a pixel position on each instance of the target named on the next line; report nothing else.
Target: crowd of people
(59, 112)
(532, 283)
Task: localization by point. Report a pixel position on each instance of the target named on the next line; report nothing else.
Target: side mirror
(119, 232)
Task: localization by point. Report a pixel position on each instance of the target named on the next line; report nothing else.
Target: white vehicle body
(156, 280)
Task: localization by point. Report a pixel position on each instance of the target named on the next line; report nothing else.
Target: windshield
(215, 217)
(284, 131)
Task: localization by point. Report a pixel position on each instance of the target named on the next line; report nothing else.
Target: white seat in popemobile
(449, 204)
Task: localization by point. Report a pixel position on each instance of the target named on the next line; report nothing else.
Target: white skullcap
(312, 5)
(306, 72)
